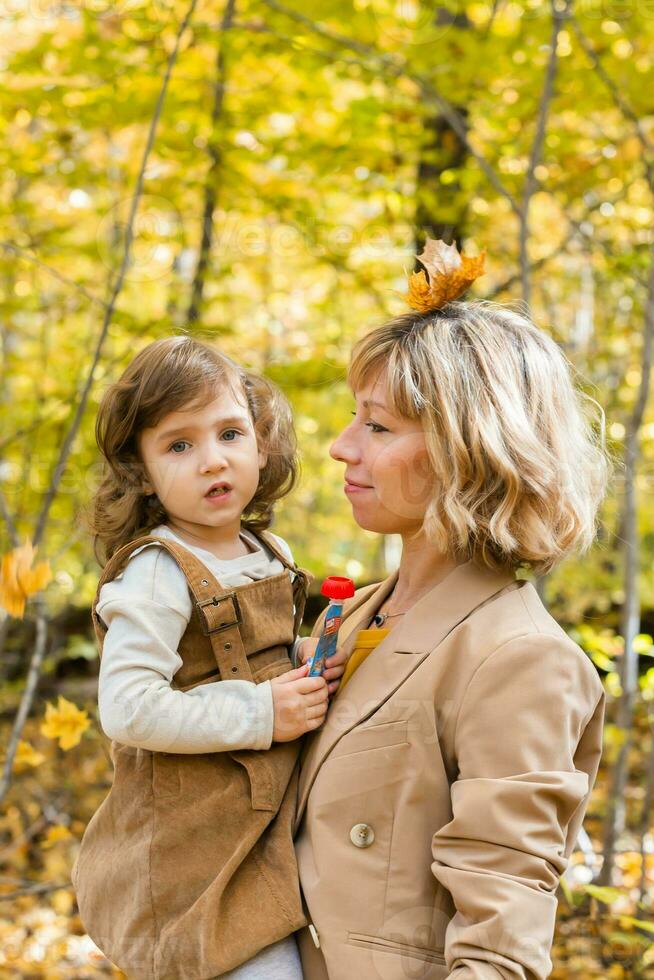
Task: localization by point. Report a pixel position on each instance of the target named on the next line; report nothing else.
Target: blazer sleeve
(528, 741)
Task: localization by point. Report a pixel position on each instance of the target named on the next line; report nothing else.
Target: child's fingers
(317, 711)
(305, 685)
(291, 676)
(332, 673)
(307, 648)
(316, 697)
(331, 688)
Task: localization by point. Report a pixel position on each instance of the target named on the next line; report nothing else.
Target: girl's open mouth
(218, 498)
(218, 493)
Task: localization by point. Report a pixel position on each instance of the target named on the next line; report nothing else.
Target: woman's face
(388, 477)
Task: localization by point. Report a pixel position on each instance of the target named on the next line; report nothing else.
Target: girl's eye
(373, 426)
(183, 442)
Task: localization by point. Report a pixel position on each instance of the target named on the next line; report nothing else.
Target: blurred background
(262, 175)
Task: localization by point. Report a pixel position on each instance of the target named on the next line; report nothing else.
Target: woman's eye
(373, 426)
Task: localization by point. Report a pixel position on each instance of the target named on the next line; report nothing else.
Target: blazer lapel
(355, 614)
(396, 657)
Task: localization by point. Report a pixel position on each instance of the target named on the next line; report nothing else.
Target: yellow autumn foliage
(55, 834)
(66, 722)
(18, 580)
(26, 755)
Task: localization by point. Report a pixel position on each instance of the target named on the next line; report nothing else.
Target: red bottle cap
(337, 587)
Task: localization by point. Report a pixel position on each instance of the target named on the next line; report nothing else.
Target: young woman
(439, 803)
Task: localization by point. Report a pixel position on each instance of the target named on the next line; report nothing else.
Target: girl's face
(388, 477)
(192, 450)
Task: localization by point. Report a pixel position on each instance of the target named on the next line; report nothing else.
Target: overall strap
(197, 574)
(301, 580)
(215, 606)
(216, 609)
(113, 567)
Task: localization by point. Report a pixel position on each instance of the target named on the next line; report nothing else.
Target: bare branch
(215, 156)
(28, 693)
(630, 619)
(646, 815)
(117, 286)
(70, 283)
(9, 521)
(617, 95)
(558, 20)
(41, 621)
(35, 889)
(505, 285)
(559, 15)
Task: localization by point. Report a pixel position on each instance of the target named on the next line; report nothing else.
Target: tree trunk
(211, 187)
(615, 812)
(442, 150)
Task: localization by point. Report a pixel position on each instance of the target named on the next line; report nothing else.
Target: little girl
(187, 870)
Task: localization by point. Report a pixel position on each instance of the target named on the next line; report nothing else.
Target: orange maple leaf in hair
(450, 274)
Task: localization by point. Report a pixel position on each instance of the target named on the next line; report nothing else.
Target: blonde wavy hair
(520, 470)
(166, 376)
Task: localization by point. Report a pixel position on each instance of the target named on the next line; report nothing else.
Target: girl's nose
(213, 457)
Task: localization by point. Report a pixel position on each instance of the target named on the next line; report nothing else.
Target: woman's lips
(354, 488)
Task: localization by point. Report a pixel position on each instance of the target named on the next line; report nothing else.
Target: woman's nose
(344, 448)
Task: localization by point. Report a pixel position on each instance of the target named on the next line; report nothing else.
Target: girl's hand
(334, 666)
(307, 648)
(299, 704)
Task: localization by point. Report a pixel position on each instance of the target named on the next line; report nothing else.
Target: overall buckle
(215, 601)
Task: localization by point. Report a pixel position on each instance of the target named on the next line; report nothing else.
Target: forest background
(262, 175)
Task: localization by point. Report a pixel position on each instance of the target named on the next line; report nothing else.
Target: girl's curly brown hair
(167, 376)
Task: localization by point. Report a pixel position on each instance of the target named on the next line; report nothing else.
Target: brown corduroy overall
(187, 868)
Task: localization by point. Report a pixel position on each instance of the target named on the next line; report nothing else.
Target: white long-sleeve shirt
(146, 610)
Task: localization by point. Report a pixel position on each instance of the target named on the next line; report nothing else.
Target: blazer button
(362, 835)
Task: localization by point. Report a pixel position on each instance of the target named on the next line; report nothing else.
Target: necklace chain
(381, 618)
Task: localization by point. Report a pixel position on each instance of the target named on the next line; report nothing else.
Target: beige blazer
(439, 803)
